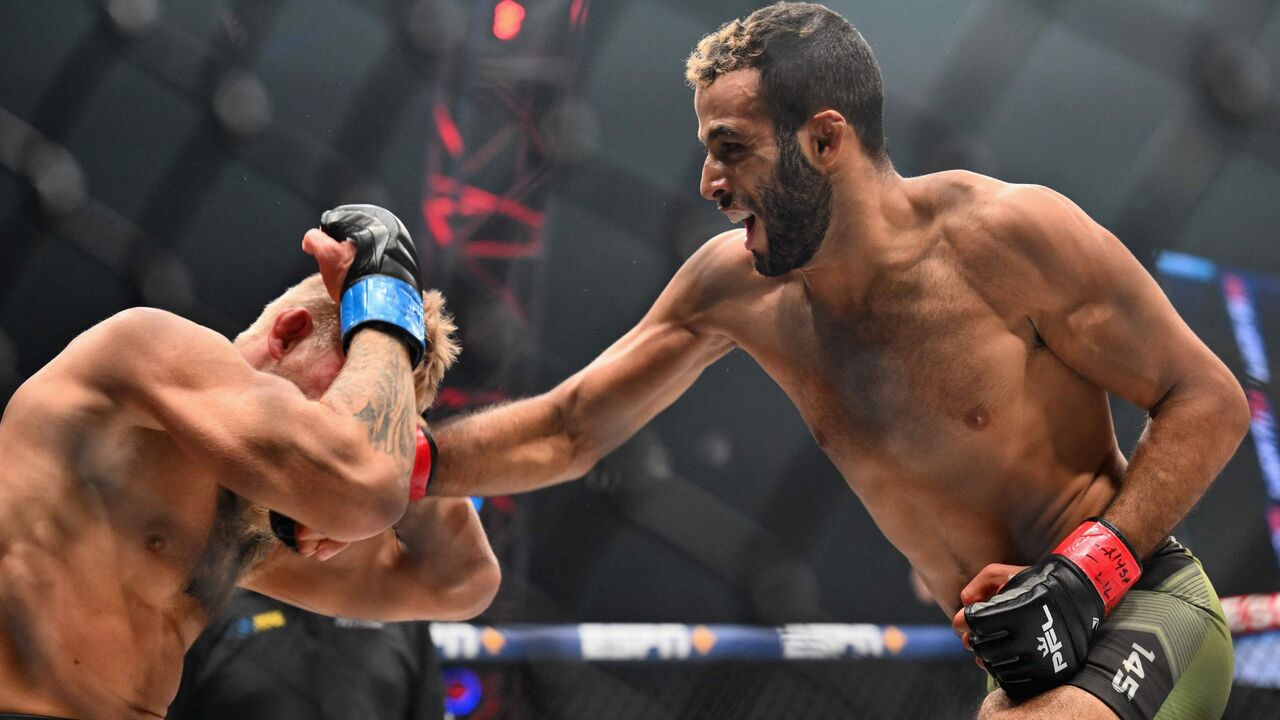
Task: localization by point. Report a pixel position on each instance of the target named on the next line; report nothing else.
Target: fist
(382, 243)
(378, 287)
(1034, 634)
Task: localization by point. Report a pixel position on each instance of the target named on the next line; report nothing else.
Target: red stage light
(508, 16)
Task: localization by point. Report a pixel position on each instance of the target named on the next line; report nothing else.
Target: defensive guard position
(138, 467)
(950, 341)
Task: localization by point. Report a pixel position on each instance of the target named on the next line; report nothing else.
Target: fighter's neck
(872, 231)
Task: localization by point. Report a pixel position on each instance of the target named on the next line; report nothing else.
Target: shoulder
(87, 375)
(1030, 220)
(716, 278)
(143, 331)
(118, 340)
(721, 255)
(139, 344)
(722, 268)
(1029, 231)
(144, 321)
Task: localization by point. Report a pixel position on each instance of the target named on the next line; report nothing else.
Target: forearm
(446, 568)
(517, 447)
(376, 388)
(356, 484)
(560, 434)
(1192, 434)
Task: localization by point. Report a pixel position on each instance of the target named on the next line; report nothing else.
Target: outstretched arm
(1103, 315)
(561, 434)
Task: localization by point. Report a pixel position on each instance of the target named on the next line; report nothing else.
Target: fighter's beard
(795, 208)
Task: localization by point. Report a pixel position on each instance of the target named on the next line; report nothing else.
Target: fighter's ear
(825, 133)
(288, 329)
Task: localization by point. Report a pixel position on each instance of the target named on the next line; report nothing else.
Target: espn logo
(1048, 643)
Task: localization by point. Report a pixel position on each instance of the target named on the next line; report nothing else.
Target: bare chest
(113, 562)
(182, 539)
(921, 366)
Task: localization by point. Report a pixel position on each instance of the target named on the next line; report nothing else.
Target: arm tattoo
(390, 421)
(389, 416)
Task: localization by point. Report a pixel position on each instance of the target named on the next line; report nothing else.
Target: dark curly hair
(810, 58)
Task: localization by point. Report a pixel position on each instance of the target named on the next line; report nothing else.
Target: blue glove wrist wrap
(390, 301)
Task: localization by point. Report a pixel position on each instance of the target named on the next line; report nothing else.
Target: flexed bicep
(1102, 313)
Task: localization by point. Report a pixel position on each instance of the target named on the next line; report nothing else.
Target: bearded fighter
(137, 469)
(950, 340)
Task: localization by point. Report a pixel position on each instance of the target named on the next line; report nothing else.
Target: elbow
(1220, 404)
(386, 505)
(382, 496)
(583, 456)
(362, 518)
(374, 488)
(471, 596)
(374, 496)
(574, 442)
(481, 590)
(1235, 412)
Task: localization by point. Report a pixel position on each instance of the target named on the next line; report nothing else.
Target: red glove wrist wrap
(1102, 553)
(423, 465)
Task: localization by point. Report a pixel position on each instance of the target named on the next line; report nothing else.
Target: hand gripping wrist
(1104, 557)
(381, 288)
(424, 467)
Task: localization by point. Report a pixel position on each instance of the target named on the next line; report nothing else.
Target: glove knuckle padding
(1034, 634)
(383, 245)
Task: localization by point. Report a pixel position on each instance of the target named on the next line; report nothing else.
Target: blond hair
(442, 347)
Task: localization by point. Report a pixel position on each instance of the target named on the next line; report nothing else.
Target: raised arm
(256, 433)
(561, 434)
(341, 465)
(1104, 316)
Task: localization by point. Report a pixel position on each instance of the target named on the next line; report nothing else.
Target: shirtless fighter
(950, 341)
(137, 467)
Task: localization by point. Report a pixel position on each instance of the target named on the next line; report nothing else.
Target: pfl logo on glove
(1030, 650)
(1049, 643)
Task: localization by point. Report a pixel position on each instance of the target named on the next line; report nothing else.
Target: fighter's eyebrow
(719, 131)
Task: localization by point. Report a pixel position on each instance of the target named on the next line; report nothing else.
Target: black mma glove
(1034, 634)
(381, 287)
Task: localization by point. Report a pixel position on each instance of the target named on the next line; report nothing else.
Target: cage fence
(723, 672)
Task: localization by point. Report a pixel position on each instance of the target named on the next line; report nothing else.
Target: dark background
(173, 154)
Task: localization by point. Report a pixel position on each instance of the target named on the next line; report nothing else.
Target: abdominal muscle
(970, 510)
